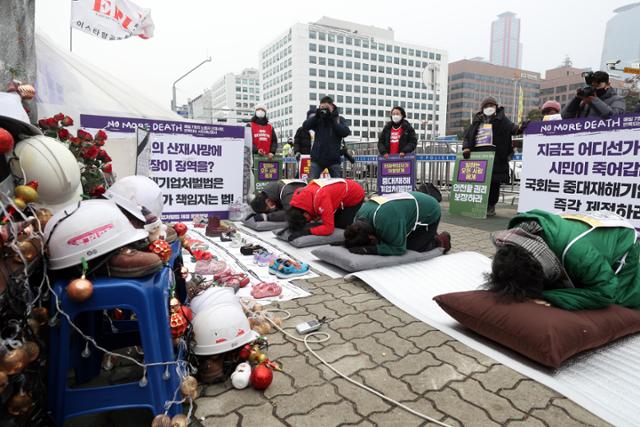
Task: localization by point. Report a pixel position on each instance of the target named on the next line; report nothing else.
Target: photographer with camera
(330, 129)
(597, 99)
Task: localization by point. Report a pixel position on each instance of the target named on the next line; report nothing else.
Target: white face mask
(260, 114)
(396, 118)
(489, 111)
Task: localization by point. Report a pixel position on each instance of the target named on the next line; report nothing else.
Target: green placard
(471, 182)
(266, 170)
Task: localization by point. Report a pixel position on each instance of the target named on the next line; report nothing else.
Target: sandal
(266, 290)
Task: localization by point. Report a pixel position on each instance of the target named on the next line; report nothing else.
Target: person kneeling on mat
(334, 201)
(274, 200)
(578, 261)
(394, 223)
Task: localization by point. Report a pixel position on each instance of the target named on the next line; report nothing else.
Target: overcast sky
(232, 32)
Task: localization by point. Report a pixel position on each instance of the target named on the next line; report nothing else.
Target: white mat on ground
(301, 254)
(239, 262)
(605, 381)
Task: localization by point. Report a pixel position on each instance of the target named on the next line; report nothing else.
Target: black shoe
(444, 239)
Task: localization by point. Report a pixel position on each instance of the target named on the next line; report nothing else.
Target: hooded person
(491, 130)
(397, 136)
(395, 223)
(575, 262)
(302, 139)
(263, 136)
(330, 129)
(333, 201)
(274, 200)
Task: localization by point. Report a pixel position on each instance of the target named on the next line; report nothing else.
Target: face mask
(396, 118)
(489, 111)
(260, 114)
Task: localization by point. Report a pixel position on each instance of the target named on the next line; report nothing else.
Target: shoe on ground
(444, 239)
(128, 262)
(210, 267)
(491, 210)
(211, 371)
(290, 268)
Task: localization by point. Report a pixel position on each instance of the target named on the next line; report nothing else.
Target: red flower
(42, 123)
(52, 123)
(102, 155)
(83, 135)
(99, 142)
(58, 117)
(101, 135)
(90, 152)
(75, 141)
(67, 121)
(97, 191)
(63, 134)
(107, 168)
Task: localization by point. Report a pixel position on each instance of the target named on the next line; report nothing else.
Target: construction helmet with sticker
(133, 192)
(220, 328)
(88, 230)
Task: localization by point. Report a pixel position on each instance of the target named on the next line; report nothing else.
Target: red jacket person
(333, 201)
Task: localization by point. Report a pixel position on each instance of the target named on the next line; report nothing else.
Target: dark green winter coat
(395, 219)
(591, 262)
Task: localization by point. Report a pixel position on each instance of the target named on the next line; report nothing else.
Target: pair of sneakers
(286, 268)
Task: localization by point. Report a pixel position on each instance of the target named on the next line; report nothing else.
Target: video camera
(587, 90)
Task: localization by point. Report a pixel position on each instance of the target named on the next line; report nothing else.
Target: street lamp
(174, 105)
(430, 76)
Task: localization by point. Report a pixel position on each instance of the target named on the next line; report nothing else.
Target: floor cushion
(312, 240)
(548, 335)
(263, 225)
(341, 257)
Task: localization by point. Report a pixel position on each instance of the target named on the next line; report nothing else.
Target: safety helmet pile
(133, 192)
(220, 328)
(88, 230)
(44, 159)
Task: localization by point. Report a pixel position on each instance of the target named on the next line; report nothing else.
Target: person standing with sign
(263, 137)
(491, 130)
(333, 201)
(330, 128)
(394, 223)
(397, 136)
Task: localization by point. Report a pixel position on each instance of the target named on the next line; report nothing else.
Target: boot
(128, 262)
(491, 210)
(444, 239)
(214, 228)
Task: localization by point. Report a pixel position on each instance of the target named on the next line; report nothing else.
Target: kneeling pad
(548, 335)
(341, 257)
(312, 240)
(263, 225)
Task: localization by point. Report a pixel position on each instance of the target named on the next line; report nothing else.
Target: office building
(232, 98)
(622, 38)
(363, 68)
(506, 49)
(471, 81)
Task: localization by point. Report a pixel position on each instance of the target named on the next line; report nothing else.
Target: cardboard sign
(471, 182)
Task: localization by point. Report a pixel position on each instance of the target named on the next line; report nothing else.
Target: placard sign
(198, 166)
(470, 187)
(396, 174)
(582, 165)
(266, 170)
(304, 167)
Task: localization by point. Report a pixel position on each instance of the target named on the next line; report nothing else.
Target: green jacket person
(391, 224)
(582, 261)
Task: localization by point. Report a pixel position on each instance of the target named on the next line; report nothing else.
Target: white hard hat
(221, 328)
(134, 191)
(49, 162)
(212, 296)
(87, 230)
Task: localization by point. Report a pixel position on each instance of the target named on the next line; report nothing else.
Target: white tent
(69, 84)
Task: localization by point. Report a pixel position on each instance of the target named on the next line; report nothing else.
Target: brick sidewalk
(383, 347)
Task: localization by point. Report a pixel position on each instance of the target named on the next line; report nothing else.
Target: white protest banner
(111, 19)
(197, 166)
(581, 165)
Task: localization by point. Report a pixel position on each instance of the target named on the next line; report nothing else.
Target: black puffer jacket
(328, 139)
(408, 139)
(274, 139)
(503, 129)
(302, 141)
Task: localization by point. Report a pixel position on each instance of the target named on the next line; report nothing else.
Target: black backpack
(431, 190)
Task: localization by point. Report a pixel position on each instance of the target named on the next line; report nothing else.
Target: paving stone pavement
(386, 349)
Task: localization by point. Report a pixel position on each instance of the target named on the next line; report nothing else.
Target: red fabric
(322, 202)
(261, 136)
(394, 140)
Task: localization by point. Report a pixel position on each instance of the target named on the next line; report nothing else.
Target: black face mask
(600, 92)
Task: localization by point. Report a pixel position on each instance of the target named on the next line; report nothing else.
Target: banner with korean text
(581, 165)
(470, 186)
(266, 170)
(396, 174)
(197, 166)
